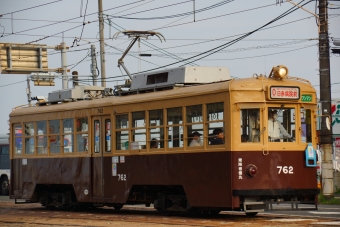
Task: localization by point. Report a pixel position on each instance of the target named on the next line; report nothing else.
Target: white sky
(287, 44)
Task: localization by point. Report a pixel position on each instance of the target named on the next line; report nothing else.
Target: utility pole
(94, 65)
(326, 139)
(64, 65)
(28, 92)
(101, 41)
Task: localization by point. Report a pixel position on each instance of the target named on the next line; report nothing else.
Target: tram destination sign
(287, 92)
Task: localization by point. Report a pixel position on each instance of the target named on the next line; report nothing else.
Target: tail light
(251, 171)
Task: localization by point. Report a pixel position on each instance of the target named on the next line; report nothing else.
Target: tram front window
(250, 125)
(281, 125)
(306, 125)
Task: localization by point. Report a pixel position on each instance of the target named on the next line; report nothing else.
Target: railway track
(34, 215)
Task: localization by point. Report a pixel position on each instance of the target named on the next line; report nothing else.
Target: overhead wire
(73, 19)
(12, 83)
(218, 48)
(30, 8)
(82, 30)
(175, 15)
(209, 18)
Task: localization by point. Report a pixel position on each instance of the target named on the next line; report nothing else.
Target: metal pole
(101, 41)
(94, 65)
(28, 91)
(63, 65)
(325, 99)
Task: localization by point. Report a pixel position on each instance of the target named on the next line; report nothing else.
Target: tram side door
(101, 137)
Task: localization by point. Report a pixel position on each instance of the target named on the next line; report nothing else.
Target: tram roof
(250, 84)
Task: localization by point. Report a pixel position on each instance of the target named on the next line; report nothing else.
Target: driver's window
(281, 125)
(250, 125)
(306, 125)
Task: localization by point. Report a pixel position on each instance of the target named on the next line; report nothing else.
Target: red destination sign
(284, 92)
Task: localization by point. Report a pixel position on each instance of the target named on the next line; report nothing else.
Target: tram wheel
(118, 206)
(4, 186)
(252, 214)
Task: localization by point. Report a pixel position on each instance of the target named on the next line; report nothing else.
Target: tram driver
(275, 128)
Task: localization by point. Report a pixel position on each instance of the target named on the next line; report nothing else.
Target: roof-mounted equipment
(135, 35)
(279, 72)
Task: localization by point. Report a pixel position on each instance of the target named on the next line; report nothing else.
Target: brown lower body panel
(206, 179)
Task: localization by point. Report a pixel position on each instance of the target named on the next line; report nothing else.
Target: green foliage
(337, 190)
(324, 201)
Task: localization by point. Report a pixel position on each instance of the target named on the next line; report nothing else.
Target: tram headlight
(279, 72)
(251, 171)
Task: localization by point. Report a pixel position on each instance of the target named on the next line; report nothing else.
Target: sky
(290, 40)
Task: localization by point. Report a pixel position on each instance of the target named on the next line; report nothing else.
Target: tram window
(194, 116)
(42, 137)
(82, 124)
(96, 134)
(122, 133)
(215, 117)
(306, 125)
(18, 139)
(250, 125)
(139, 130)
(54, 136)
(29, 129)
(68, 130)
(82, 135)
(107, 135)
(175, 127)
(156, 136)
(29, 139)
(155, 118)
(281, 125)
(156, 132)
(195, 133)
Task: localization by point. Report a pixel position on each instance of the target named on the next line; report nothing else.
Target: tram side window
(194, 124)
(306, 125)
(54, 136)
(82, 134)
(281, 125)
(107, 135)
(29, 138)
(42, 137)
(156, 130)
(138, 131)
(122, 132)
(250, 125)
(68, 130)
(215, 119)
(175, 127)
(18, 139)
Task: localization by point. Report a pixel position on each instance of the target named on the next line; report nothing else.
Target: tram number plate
(121, 177)
(285, 169)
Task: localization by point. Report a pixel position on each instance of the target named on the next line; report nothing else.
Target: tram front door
(101, 145)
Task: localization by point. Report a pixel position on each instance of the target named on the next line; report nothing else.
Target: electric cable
(218, 48)
(72, 19)
(175, 15)
(30, 8)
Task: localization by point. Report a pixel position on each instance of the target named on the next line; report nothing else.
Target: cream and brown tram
(82, 148)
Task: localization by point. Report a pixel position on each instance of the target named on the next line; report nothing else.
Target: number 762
(285, 169)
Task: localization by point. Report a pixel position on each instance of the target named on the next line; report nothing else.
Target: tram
(84, 148)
